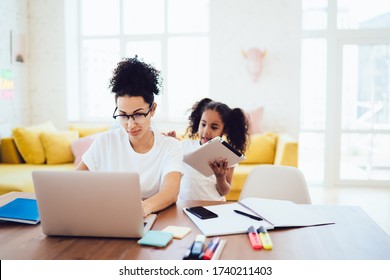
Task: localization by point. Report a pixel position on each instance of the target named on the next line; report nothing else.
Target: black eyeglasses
(139, 118)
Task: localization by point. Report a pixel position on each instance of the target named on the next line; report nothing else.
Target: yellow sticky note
(178, 232)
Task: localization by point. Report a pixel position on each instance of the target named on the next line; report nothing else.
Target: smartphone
(202, 212)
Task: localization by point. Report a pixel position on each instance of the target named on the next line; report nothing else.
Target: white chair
(276, 182)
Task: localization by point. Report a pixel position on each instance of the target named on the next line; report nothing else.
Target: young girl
(210, 119)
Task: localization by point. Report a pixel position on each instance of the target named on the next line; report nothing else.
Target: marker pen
(265, 238)
(219, 249)
(197, 247)
(208, 254)
(187, 254)
(254, 238)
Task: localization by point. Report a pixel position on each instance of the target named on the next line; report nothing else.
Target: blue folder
(21, 210)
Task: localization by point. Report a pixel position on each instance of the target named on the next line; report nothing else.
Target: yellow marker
(265, 238)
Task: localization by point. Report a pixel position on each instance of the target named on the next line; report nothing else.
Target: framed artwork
(254, 58)
(6, 84)
(18, 47)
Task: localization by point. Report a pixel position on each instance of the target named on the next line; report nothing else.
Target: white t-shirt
(194, 185)
(112, 151)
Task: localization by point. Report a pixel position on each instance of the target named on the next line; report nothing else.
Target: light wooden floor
(376, 202)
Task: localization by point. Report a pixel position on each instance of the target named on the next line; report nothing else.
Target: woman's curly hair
(133, 77)
(236, 124)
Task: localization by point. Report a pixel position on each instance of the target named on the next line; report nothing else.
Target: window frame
(75, 96)
(336, 39)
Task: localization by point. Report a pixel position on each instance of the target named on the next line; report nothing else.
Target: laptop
(84, 203)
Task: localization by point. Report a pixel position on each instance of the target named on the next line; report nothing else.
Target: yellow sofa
(265, 148)
(43, 147)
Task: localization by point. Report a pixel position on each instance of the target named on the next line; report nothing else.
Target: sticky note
(156, 238)
(178, 232)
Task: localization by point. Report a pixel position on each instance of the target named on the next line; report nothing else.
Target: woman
(134, 146)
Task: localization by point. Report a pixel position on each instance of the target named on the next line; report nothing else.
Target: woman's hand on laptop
(147, 210)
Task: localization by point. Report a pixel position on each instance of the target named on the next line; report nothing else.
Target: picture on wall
(18, 47)
(6, 84)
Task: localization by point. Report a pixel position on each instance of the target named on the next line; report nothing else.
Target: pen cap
(261, 229)
(251, 229)
(213, 243)
(200, 238)
(265, 238)
(197, 247)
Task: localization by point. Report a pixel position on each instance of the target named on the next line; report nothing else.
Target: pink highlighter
(208, 254)
(254, 238)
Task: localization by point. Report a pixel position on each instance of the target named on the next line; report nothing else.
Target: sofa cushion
(80, 146)
(29, 144)
(261, 149)
(255, 118)
(9, 151)
(57, 146)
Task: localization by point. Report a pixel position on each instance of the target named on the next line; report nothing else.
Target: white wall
(39, 82)
(270, 25)
(47, 88)
(14, 18)
(235, 25)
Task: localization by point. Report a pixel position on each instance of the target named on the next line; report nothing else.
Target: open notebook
(83, 203)
(274, 214)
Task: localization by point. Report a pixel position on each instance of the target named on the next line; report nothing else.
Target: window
(170, 34)
(345, 92)
(365, 114)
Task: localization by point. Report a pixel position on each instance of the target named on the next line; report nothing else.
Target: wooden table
(354, 236)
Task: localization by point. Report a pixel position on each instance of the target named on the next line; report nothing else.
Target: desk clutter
(198, 250)
(351, 226)
(235, 218)
(259, 238)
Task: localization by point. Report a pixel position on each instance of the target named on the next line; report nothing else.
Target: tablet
(214, 149)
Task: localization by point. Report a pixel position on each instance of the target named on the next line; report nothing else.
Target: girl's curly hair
(133, 77)
(236, 124)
